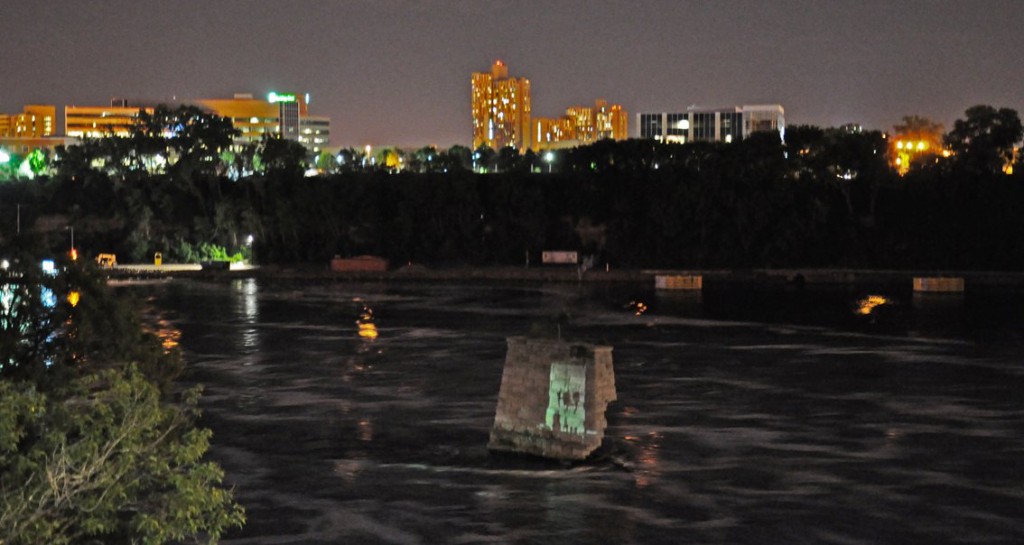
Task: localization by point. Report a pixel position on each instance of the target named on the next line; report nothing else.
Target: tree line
(825, 197)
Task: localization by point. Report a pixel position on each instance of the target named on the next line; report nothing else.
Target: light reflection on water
(169, 335)
(248, 313)
(367, 329)
(868, 304)
(778, 417)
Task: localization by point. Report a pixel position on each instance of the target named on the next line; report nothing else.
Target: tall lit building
(581, 125)
(612, 121)
(712, 124)
(501, 109)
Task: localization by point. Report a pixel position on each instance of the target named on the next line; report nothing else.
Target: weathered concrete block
(553, 398)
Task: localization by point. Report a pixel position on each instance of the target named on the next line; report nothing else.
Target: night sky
(396, 72)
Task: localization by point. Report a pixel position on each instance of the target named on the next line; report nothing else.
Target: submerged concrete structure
(553, 398)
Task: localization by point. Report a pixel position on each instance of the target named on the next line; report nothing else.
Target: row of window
(694, 126)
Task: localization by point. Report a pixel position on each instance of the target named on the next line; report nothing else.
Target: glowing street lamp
(549, 158)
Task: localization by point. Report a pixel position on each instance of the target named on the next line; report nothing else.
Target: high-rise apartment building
(501, 109)
(581, 125)
(611, 121)
(712, 124)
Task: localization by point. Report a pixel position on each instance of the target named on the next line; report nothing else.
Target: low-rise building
(711, 124)
(284, 114)
(35, 121)
(98, 121)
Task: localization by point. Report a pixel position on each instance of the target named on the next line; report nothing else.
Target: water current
(360, 413)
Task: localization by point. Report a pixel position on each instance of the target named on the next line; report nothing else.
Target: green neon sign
(280, 97)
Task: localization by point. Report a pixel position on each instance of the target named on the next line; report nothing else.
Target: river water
(360, 413)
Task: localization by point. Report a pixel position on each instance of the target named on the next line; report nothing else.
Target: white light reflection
(248, 313)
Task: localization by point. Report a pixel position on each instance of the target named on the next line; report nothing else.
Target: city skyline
(395, 72)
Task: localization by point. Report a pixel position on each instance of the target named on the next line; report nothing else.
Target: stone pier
(553, 398)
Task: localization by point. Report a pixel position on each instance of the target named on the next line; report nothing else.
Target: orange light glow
(868, 304)
(73, 298)
(638, 307)
(367, 329)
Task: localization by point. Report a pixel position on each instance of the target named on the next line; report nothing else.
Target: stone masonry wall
(553, 398)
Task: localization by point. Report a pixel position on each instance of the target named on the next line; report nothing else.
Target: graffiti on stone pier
(553, 398)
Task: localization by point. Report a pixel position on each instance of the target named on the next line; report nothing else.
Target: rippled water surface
(360, 413)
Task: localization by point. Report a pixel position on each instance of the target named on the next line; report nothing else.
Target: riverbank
(985, 280)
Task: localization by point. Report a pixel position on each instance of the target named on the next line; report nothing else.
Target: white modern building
(712, 124)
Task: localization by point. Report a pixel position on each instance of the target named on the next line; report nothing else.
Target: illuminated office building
(712, 124)
(32, 129)
(98, 121)
(315, 132)
(35, 121)
(581, 125)
(283, 114)
(501, 109)
(279, 114)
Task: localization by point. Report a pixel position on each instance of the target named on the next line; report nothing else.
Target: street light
(252, 251)
(549, 157)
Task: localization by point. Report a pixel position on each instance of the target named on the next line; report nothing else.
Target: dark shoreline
(983, 280)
